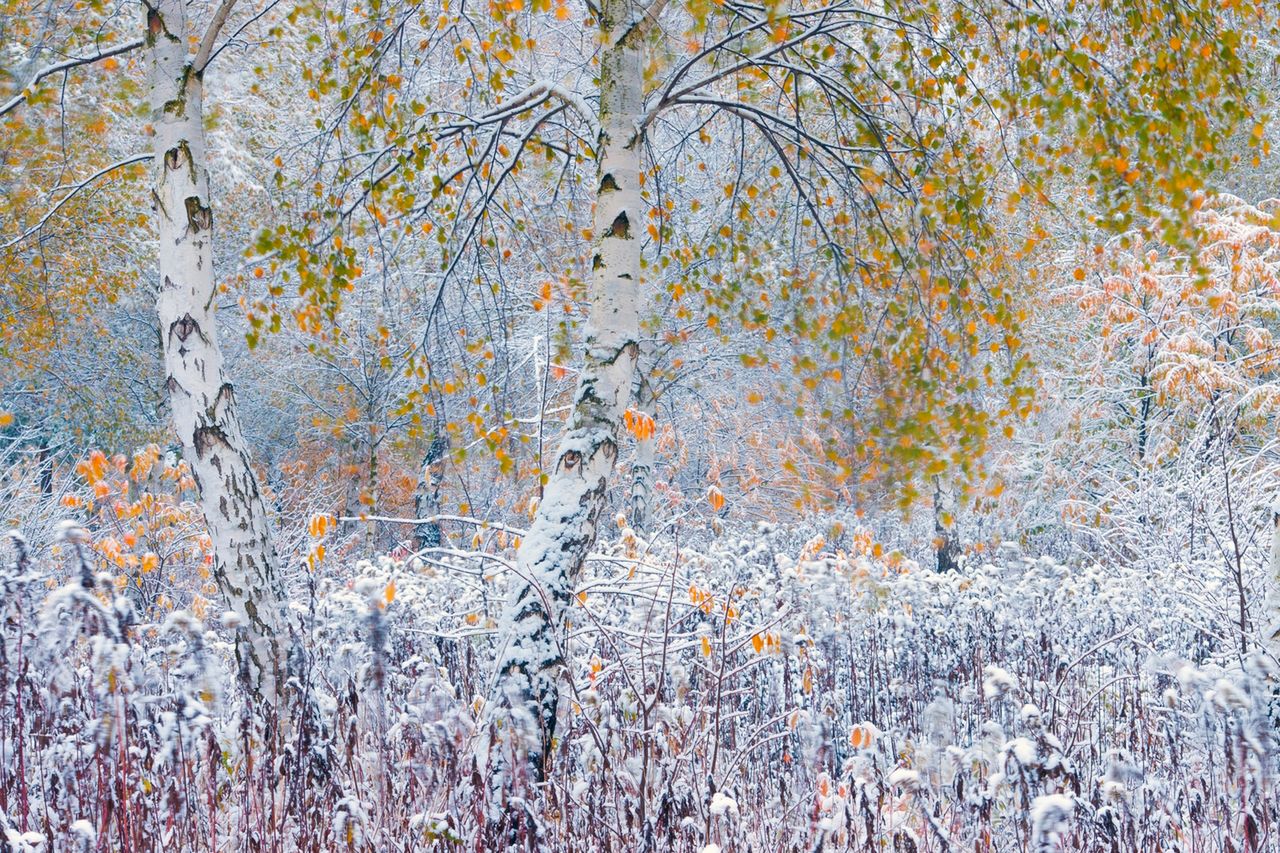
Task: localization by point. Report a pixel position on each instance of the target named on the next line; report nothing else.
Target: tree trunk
(369, 504)
(642, 469)
(946, 548)
(426, 498)
(203, 401)
(1271, 605)
(551, 556)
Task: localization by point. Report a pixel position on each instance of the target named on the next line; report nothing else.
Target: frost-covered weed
(766, 691)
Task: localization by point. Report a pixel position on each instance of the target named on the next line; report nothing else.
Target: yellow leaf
(391, 592)
(757, 643)
(706, 647)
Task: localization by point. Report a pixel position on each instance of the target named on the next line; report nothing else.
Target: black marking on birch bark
(183, 327)
(621, 227)
(174, 156)
(631, 349)
(597, 262)
(608, 184)
(199, 217)
(209, 437)
(570, 459)
(155, 25)
(531, 607)
(226, 393)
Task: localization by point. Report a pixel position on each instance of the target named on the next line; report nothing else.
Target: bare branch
(66, 65)
(72, 191)
(205, 52)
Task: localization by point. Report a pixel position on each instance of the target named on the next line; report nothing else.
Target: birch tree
(565, 527)
(1271, 601)
(820, 175)
(201, 395)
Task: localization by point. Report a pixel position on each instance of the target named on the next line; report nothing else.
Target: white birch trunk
(550, 559)
(426, 497)
(1271, 604)
(641, 500)
(203, 401)
(946, 548)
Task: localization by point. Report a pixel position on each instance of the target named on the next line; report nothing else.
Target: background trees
(927, 276)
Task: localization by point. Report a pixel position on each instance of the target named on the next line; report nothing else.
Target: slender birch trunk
(203, 400)
(641, 498)
(1271, 604)
(946, 548)
(551, 556)
(426, 498)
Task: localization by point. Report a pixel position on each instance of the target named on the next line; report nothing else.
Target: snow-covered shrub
(768, 690)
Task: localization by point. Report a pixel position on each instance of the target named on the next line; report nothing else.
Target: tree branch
(74, 189)
(205, 50)
(66, 65)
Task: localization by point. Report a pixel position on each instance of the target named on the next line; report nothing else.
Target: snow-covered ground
(763, 693)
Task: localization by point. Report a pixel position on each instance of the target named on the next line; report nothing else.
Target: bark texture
(946, 546)
(549, 563)
(1271, 604)
(202, 398)
(641, 498)
(426, 497)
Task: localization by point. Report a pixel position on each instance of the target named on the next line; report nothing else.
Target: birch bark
(641, 499)
(946, 547)
(1271, 603)
(202, 398)
(551, 556)
(426, 498)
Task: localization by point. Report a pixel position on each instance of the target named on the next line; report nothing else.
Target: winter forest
(639, 425)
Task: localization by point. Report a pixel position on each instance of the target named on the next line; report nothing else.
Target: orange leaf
(715, 497)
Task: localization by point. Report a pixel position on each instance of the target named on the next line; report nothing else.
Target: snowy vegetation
(660, 425)
(766, 692)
